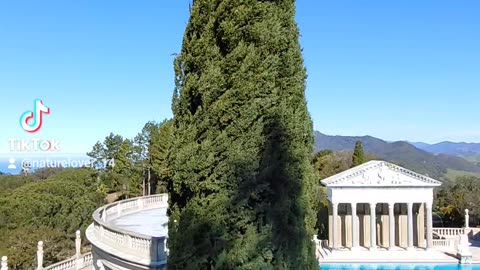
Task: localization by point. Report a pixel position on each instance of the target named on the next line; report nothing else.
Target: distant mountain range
(467, 150)
(420, 157)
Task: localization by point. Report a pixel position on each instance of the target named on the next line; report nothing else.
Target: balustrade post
(140, 203)
(78, 244)
(4, 265)
(40, 255)
(467, 217)
(129, 241)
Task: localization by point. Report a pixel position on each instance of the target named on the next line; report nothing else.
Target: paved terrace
(152, 222)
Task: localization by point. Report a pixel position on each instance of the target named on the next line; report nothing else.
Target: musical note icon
(31, 121)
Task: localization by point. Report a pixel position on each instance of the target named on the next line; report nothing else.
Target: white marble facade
(380, 204)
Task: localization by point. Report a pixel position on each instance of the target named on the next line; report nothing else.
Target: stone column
(373, 226)
(354, 226)
(428, 206)
(4, 264)
(410, 226)
(391, 224)
(40, 256)
(334, 225)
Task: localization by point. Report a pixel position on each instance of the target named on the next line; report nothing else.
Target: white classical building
(379, 205)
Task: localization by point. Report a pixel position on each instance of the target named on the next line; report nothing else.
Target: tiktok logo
(31, 121)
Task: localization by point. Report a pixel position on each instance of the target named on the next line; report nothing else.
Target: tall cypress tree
(241, 187)
(358, 154)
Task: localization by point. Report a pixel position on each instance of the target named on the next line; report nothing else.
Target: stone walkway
(151, 222)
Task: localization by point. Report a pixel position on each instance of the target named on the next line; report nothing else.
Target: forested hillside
(51, 210)
(401, 153)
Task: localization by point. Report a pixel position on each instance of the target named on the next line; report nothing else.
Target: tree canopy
(135, 166)
(49, 210)
(452, 200)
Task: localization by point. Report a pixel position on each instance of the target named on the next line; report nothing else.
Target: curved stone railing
(143, 246)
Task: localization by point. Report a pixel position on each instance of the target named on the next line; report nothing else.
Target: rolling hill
(402, 153)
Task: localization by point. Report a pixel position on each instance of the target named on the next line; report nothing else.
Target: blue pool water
(372, 266)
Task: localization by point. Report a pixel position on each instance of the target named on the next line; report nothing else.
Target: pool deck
(400, 255)
(386, 256)
(475, 249)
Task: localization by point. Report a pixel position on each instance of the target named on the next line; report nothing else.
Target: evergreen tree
(125, 175)
(112, 143)
(161, 140)
(358, 155)
(242, 187)
(141, 155)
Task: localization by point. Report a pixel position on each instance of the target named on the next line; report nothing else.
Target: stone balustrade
(449, 232)
(72, 264)
(79, 261)
(444, 244)
(125, 207)
(110, 240)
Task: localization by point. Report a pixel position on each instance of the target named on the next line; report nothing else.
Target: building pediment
(379, 174)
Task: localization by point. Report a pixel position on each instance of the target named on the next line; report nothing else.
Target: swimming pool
(393, 266)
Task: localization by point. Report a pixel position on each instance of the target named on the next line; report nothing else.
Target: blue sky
(398, 70)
